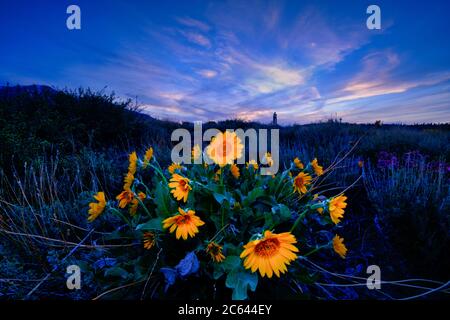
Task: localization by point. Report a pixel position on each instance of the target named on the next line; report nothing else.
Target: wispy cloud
(417, 105)
(197, 38)
(207, 73)
(193, 23)
(271, 78)
(321, 41)
(247, 59)
(379, 75)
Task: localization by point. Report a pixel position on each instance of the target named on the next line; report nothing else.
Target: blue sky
(212, 60)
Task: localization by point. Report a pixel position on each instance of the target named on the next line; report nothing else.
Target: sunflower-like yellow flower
(318, 170)
(336, 207)
(217, 175)
(252, 163)
(196, 152)
(149, 239)
(96, 208)
(128, 181)
(185, 223)
(339, 246)
(235, 171)
(270, 254)
(298, 163)
(173, 167)
(268, 159)
(180, 187)
(147, 157)
(132, 158)
(224, 148)
(125, 197)
(301, 182)
(215, 251)
(135, 203)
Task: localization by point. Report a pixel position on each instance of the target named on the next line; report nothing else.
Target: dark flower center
(183, 219)
(299, 182)
(183, 184)
(267, 247)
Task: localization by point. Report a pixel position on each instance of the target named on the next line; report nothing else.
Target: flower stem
(315, 250)
(297, 221)
(159, 171)
(218, 232)
(143, 206)
(120, 215)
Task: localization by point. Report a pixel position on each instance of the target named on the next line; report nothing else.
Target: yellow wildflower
(215, 251)
(133, 163)
(173, 167)
(225, 148)
(270, 254)
(298, 164)
(180, 187)
(301, 182)
(185, 223)
(96, 208)
(235, 171)
(336, 207)
(318, 170)
(339, 246)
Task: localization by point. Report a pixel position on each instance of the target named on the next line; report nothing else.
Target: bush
(224, 221)
(411, 198)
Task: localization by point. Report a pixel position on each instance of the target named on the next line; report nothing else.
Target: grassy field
(58, 148)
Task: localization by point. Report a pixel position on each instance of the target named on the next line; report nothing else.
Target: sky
(213, 60)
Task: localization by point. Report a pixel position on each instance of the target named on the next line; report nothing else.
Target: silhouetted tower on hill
(274, 120)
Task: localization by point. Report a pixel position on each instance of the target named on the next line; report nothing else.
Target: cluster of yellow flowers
(269, 253)
(336, 205)
(127, 196)
(96, 208)
(303, 180)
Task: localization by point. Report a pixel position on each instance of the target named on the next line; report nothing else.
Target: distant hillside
(11, 91)
(35, 120)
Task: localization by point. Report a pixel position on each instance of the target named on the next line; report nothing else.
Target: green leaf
(220, 194)
(140, 272)
(220, 198)
(116, 272)
(268, 220)
(162, 200)
(237, 279)
(153, 224)
(252, 196)
(240, 281)
(282, 211)
(231, 263)
(245, 214)
(218, 272)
